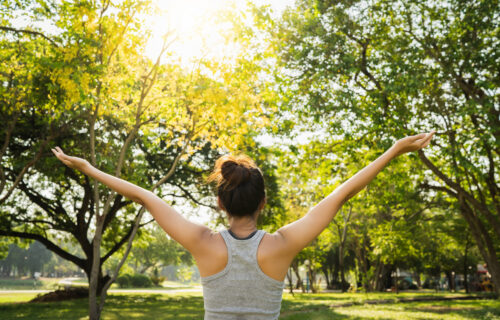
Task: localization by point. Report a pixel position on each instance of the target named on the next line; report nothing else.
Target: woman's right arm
(190, 235)
(298, 234)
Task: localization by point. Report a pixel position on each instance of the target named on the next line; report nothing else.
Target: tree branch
(31, 32)
(461, 192)
(48, 244)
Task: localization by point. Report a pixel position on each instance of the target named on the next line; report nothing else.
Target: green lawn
(300, 306)
(319, 307)
(28, 284)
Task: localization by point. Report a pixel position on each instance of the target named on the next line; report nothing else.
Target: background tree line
(357, 75)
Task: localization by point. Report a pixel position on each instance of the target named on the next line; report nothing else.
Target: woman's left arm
(298, 234)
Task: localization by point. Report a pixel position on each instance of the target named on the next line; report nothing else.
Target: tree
(365, 70)
(24, 260)
(156, 250)
(29, 96)
(149, 122)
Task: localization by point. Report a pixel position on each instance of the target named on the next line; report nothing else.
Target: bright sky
(195, 24)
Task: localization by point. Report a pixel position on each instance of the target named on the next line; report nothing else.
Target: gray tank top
(242, 291)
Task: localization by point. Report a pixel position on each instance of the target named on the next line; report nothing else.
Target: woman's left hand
(413, 143)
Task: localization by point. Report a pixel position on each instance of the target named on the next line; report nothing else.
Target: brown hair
(240, 184)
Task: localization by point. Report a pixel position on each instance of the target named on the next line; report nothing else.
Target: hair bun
(232, 171)
(234, 174)
(240, 185)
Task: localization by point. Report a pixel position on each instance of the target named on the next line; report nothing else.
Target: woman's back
(241, 290)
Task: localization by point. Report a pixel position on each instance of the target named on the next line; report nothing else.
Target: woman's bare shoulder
(270, 257)
(213, 258)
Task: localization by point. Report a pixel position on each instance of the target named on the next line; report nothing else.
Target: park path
(163, 291)
(25, 291)
(68, 282)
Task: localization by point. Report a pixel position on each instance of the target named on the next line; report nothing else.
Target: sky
(194, 22)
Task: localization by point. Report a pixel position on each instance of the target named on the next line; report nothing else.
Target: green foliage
(367, 72)
(78, 78)
(154, 249)
(156, 278)
(134, 281)
(140, 281)
(185, 273)
(123, 280)
(25, 261)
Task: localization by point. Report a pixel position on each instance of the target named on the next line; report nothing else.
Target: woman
(242, 268)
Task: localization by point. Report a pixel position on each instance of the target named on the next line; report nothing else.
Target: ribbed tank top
(242, 291)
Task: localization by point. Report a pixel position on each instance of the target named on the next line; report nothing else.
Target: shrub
(140, 281)
(134, 281)
(157, 281)
(123, 281)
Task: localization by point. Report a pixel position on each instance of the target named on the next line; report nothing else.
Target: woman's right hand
(413, 143)
(72, 162)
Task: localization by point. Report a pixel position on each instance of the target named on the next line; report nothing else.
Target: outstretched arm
(300, 233)
(187, 233)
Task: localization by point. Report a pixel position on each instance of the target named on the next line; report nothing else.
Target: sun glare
(197, 28)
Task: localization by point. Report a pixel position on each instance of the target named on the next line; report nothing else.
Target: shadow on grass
(149, 306)
(74, 309)
(484, 309)
(295, 309)
(154, 306)
(321, 313)
(185, 306)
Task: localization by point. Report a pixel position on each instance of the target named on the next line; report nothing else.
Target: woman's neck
(242, 227)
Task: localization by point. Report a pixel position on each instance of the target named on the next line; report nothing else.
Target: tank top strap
(228, 240)
(257, 238)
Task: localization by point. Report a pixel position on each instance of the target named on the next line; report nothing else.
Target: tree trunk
(397, 280)
(289, 277)
(343, 236)
(449, 277)
(466, 280)
(472, 210)
(381, 277)
(312, 279)
(101, 281)
(95, 273)
(418, 279)
(363, 263)
(299, 284)
(341, 267)
(484, 243)
(324, 269)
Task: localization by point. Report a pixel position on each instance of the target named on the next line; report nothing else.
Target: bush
(123, 281)
(157, 281)
(134, 281)
(140, 281)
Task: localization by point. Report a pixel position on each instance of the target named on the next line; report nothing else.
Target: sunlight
(199, 32)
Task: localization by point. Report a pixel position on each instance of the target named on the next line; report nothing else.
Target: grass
(301, 306)
(319, 307)
(28, 284)
(15, 297)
